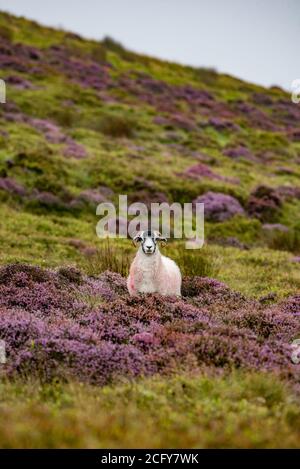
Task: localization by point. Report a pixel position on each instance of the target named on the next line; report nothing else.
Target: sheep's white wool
(154, 273)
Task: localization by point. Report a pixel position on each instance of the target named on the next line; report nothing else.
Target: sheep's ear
(137, 238)
(161, 238)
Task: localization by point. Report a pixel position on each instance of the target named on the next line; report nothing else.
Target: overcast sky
(257, 40)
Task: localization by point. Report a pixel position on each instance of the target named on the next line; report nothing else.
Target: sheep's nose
(149, 248)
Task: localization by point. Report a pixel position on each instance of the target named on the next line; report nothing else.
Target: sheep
(150, 271)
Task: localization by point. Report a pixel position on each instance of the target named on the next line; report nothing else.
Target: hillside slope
(84, 122)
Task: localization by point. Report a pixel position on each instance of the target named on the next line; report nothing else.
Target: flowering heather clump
(200, 170)
(11, 186)
(83, 72)
(51, 131)
(256, 117)
(19, 82)
(64, 324)
(264, 203)
(91, 197)
(160, 120)
(239, 152)
(46, 199)
(193, 286)
(296, 259)
(54, 134)
(148, 196)
(219, 207)
(17, 57)
(75, 150)
(165, 97)
(182, 122)
(287, 113)
(262, 98)
(222, 124)
(288, 192)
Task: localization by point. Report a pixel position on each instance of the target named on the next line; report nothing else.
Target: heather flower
(219, 207)
(54, 134)
(145, 338)
(222, 124)
(51, 131)
(89, 196)
(160, 120)
(288, 192)
(256, 117)
(84, 72)
(262, 98)
(46, 199)
(239, 152)
(11, 186)
(200, 170)
(75, 150)
(296, 259)
(19, 82)
(63, 324)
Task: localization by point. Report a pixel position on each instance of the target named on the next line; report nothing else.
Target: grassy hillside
(84, 122)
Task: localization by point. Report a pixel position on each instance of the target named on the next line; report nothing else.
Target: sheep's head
(148, 240)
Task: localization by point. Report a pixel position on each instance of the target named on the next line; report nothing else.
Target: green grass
(109, 257)
(180, 412)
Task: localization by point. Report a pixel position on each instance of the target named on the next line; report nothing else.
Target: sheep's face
(148, 240)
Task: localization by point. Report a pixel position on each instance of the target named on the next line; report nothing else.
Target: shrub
(6, 33)
(264, 203)
(65, 116)
(41, 163)
(116, 47)
(98, 53)
(288, 240)
(117, 126)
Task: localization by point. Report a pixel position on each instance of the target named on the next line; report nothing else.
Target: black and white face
(148, 240)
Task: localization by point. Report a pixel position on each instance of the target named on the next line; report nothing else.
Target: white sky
(257, 40)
